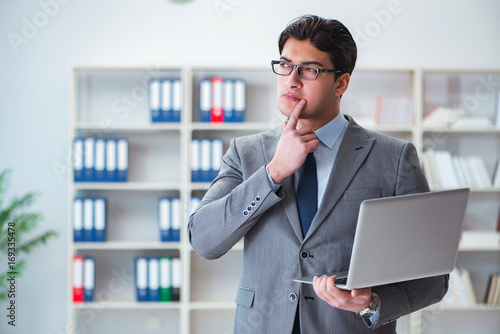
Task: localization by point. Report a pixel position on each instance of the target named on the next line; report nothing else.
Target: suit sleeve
(403, 298)
(231, 206)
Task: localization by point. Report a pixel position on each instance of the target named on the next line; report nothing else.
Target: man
(259, 196)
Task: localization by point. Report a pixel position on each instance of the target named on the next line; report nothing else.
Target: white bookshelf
(113, 102)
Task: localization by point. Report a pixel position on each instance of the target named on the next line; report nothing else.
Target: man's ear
(341, 84)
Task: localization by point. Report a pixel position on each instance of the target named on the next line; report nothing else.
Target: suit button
(292, 297)
(304, 255)
(245, 213)
(253, 203)
(258, 198)
(249, 208)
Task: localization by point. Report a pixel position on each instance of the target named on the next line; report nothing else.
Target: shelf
(476, 307)
(127, 305)
(128, 245)
(132, 127)
(145, 186)
(207, 306)
(162, 151)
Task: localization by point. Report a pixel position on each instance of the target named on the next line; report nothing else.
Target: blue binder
(205, 100)
(240, 97)
(99, 219)
(110, 169)
(176, 100)
(164, 214)
(205, 160)
(89, 159)
(228, 100)
(88, 219)
(100, 160)
(88, 279)
(141, 279)
(78, 219)
(195, 160)
(153, 279)
(217, 151)
(78, 152)
(122, 159)
(155, 99)
(166, 100)
(176, 219)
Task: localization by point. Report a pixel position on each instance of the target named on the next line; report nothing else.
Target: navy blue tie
(307, 192)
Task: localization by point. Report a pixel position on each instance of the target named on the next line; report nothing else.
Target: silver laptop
(405, 237)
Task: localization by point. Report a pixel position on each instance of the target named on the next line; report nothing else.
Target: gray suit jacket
(241, 204)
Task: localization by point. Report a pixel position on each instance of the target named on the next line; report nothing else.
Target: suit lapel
(352, 152)
(289, 201)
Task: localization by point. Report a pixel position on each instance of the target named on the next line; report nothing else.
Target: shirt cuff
(372, 321)
(274, 186)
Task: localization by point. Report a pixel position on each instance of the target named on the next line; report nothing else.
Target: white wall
(41, 40)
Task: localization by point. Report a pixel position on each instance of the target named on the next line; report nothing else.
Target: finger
(294, 117)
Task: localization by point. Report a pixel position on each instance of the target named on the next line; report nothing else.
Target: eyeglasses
(305, 72)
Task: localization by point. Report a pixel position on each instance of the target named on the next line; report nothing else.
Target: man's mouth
(291, 97)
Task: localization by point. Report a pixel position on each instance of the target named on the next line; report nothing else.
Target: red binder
(217, 112)
(78, 279)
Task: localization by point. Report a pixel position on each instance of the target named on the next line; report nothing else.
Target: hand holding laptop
(351, 300)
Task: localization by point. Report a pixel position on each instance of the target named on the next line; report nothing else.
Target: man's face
(321, 101)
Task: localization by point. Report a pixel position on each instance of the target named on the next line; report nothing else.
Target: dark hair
(326, 35)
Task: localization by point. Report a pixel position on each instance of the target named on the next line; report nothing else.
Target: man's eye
(285, 65)
(310, 69)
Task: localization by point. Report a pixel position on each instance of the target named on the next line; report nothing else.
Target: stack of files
(169, 218)
(394, 110)
(222, 100)
(447, 171)
(158, 279)
(206, 158)
(100, 159)
(89, 219)
(165, 99)
(83, 279)
(460, 291)
(492, 294)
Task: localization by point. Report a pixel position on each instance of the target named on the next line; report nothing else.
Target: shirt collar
(329, 133)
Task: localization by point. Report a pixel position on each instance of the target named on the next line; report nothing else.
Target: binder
(166, 101)
(217, 115)
(195, 201)
(176, 219)
(122, 159)
(78, 219)
(77, 279)
(99, 219)
(195, 161)
(154, 100)
(228, 101)
(176, 279)
(176, 100)
(88, 279)
(110, 160)
(88, 159)
(153, 279)
(165, 279)
(88, 219)
(205, 160)
(240, 97)
(164, 218)
(205, 100)
(78, 174)
(217, 153)
(100, 160)
(141, 279)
